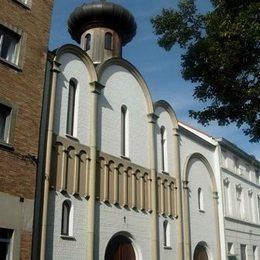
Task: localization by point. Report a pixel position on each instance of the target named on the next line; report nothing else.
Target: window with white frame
(228, 199)
(200, 200)
(6, 243)
(230, 249)
(124, 131)
(71, 107)
(5, 122)
(166, 234)
(240, 201)
(243, 252)
(164, 151)
(255, 253)
(10, 43)
(251, 205)
(258, 204)
(257, 177)
(67, 218)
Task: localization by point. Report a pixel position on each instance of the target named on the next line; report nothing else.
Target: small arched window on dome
(200, 199)
(108, 41)
(66, 220)
(164, 149)
(166, 234)
(87, 41)
(124, 131)
(71, 106)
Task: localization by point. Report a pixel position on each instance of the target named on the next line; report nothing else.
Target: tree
(222, 56)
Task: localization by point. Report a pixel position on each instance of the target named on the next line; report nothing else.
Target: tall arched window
(87, 41)
(66, 218)
(108, 41)
(200, 199)
(166, 234)
(164, 150)
(71, 106)
(124, 131)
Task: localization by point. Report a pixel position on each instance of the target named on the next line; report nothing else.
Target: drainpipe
(54, 72)
(176, 162)
(154, 218)
(186, 214)
(95, 91)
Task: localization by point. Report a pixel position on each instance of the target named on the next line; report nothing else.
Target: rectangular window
(243, 252)
(5, 122)
(6, 243)
(255, 253)
(9, 45)
(257, 177)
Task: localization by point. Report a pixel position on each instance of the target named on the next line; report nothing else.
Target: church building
(123, 178)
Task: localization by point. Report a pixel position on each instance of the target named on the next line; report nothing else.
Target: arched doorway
(200, 253)
(120, 248)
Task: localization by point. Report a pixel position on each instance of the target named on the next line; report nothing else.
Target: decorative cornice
(96, 87)
(152, 117)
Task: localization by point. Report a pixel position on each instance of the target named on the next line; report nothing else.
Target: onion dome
(102, 14)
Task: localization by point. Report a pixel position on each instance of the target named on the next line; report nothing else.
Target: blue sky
(160, 69)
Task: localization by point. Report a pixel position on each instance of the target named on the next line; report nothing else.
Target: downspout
(176, 162)
(95, 91)
(54, 72)
(186, 214)
(154, 218)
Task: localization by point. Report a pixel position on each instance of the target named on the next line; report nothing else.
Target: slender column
(176, 162)
(215, 199)
(154, 218)
(106, 182)
(54, 73)
(133, 190)
(116, 172)
(125, 188)
(95, 91)
(187, 238)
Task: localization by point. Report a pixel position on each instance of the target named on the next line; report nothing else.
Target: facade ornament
(226, 181)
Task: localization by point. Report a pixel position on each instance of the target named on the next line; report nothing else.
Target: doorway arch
(201, 253)
(120, 247)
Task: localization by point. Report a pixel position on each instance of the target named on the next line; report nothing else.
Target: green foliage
(222, 57)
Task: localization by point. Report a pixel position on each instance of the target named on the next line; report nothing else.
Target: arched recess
(128, 66)
(73, 49)
(165, 105)
(120, 247)
(186, 197)
(197, 156)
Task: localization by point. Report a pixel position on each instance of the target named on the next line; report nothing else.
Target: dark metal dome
(102, 14)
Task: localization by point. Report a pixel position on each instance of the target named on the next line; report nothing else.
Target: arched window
(164, 150)
(71, 106)
(166, 234)
(87, 41)
(124, 131)
(108, 41)
(200, 199)
(66, 219)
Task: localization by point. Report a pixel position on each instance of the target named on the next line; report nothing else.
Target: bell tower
(101, 29)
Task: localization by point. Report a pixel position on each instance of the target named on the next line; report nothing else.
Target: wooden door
(200, 253)
(120, 248)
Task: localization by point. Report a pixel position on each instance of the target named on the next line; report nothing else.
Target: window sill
(27, 6)
(166, 173)
(6, 146)
(10, 64)
(65, 237)
(125, 157)
(167, 247)
(72, 137)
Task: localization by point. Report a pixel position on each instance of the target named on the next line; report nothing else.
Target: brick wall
(24, 88)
